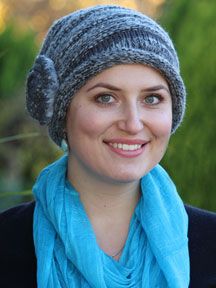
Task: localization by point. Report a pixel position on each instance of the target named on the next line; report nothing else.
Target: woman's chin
(126, 177)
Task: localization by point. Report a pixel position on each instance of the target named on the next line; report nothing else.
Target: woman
(106, 83)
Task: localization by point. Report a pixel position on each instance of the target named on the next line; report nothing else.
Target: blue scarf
(155, 253)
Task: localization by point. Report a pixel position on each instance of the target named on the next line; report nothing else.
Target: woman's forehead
(120, 76)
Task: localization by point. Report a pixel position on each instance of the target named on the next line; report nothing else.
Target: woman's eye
(105, 99)
(152, 99)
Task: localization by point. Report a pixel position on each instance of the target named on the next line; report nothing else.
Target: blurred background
(25, 147)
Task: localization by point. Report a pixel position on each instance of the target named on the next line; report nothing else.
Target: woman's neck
(112, 202)
(102, 196)
(109, 206)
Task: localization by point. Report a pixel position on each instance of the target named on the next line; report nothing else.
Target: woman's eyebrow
(114, 88)
(104, 85)
(155, 88)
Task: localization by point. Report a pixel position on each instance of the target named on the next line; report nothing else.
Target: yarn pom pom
(42, 86)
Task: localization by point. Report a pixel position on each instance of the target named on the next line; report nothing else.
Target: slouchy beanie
(84, 43)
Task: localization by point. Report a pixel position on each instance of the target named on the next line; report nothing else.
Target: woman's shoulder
(202, 246)
(16, 227)
(17, 220)
(17, 257)
(16, 211)
(202, 225)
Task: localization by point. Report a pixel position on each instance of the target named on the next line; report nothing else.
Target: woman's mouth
(127, 148)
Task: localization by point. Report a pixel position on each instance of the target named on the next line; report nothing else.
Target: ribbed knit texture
(84, 43)
(68, 256)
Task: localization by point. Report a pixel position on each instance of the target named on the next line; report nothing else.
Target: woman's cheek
(162, 124)
(92, 121)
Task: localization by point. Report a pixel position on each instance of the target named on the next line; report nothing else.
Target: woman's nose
(131, 120)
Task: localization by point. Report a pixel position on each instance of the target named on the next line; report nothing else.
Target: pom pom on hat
(42, 86)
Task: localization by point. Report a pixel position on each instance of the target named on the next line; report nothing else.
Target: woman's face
(118, 125)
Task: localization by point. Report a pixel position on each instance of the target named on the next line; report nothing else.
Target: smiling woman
(107, 84)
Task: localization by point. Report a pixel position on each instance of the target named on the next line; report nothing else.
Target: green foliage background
(21, 159)
(191, 156)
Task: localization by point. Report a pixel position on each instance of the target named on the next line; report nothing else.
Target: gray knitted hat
(82, 44)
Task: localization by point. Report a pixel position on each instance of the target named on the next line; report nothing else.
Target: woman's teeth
(126, 147)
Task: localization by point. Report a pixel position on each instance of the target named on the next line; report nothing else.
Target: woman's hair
(84, 43)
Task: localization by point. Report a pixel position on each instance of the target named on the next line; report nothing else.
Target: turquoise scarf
(156, 250)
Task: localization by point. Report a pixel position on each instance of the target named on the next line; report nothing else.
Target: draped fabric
(155, 253)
